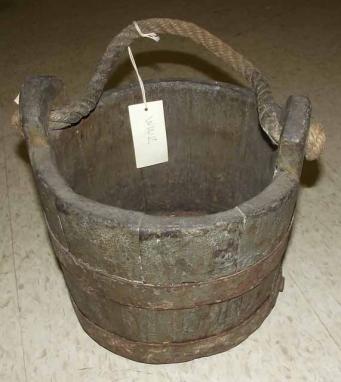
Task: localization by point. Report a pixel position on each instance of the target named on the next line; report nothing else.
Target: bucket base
(173, 352)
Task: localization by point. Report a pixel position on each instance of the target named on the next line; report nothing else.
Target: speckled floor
(298, 45)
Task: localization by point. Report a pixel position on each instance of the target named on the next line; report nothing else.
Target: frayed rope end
(316, 141)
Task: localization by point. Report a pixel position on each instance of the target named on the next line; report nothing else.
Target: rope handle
(267, 107)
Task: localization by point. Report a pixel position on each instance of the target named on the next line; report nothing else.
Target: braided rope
(266, 105)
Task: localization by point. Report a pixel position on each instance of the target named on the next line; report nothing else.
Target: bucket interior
(218, 155)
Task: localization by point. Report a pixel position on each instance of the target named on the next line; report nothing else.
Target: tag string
(154, 37)
(138, 77)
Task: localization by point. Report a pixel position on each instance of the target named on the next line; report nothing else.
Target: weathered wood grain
(179, 260)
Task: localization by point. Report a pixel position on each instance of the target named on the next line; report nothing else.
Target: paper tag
(16, 100)
(149, 133)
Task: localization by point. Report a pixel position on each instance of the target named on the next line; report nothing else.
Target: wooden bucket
(178, 260)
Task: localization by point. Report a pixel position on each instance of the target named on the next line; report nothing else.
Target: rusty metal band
(172, 352)
(176, 296)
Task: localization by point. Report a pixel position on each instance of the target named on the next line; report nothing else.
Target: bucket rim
(67, 200)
